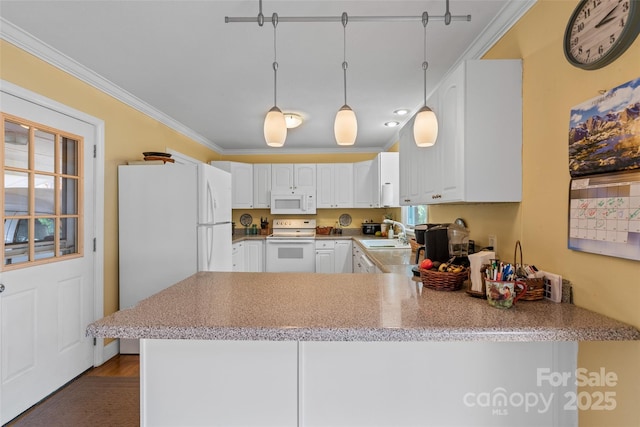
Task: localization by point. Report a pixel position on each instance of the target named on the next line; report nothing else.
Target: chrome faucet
(402, 236)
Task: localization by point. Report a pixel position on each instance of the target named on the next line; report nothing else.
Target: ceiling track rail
(260, 19)
(234, 19)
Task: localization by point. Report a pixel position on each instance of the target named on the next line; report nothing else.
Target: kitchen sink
(385, 244)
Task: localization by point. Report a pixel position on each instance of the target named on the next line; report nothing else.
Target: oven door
(290, 255)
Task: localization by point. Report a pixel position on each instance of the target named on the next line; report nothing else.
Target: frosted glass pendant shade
(275, 128)
(345, 127)
(425, 127)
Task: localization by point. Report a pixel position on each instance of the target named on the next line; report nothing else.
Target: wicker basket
(534, 286)
(443, 281)
(324, 230)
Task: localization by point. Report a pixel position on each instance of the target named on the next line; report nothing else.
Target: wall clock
(599, 31)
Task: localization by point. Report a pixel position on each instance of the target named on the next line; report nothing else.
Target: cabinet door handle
(1, 288)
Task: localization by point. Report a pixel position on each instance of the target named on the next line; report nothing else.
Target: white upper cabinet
(286, 177)
(241, 183)
(335, 185)
(477, 156)
(388, 179)
(262, 185)
(364, 176)
(376, 182)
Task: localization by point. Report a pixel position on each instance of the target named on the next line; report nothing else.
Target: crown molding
(31, 44)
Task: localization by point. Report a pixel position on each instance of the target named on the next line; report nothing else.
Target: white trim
(506, 18)
(182, 159)
(98, 189)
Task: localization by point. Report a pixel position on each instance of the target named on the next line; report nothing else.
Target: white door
(44, 309)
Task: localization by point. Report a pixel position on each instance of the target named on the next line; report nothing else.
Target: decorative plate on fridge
(345, 220)
(246, 220)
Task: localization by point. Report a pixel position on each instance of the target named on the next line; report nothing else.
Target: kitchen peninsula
(350, 349)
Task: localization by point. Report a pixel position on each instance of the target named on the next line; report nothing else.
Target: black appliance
(434, 241)
(371, 228)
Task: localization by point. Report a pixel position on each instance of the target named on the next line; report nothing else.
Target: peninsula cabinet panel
(435, 383)
(477, 156)
(219, 383)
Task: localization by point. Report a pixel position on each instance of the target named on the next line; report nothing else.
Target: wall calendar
(604, 214)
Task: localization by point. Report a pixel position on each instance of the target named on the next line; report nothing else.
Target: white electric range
(291, 246)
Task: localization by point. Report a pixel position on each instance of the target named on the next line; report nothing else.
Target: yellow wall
(127, 134)
(611, 286)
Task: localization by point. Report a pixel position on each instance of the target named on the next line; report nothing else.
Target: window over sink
(413, 215)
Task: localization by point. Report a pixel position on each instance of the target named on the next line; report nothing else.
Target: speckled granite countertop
(344, 307)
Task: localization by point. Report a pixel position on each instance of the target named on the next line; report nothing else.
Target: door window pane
(16, 193)
(16, 145)
(42, 193)
(68, 236)
(44, 151)
(68, 156)
(69, 196)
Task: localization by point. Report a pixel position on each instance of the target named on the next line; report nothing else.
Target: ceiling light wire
(275, 127)
(345, 64)
(425, 125)
(345, 127)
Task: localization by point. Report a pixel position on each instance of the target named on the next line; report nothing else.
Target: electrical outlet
(493, 242)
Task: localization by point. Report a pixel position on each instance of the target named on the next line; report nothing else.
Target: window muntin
(42, 187)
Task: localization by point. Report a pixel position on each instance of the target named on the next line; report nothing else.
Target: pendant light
(345, 127)
(425, 126)
(275, 127)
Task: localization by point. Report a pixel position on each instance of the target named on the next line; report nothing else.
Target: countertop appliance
(433, 240)
(291, 246)
(174, 220)
(371, 227)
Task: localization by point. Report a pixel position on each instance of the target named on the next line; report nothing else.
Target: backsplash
(323, 217)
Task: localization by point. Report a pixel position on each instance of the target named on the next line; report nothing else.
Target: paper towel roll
(387, 194)
(476, 261)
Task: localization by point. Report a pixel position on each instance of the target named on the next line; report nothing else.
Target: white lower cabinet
(342, 256)
(254, 256)
(325, 256)
(361, 262)
(237, 256)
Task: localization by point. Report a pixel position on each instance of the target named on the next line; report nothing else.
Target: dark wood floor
(119, 366)
(122, 365)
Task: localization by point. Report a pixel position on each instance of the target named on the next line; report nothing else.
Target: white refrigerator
(174, 220)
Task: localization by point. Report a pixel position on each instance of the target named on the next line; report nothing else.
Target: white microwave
(294, 202)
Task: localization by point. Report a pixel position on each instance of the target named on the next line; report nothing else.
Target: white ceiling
(181, 63)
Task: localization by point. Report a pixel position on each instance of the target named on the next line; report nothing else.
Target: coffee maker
(442, 242)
